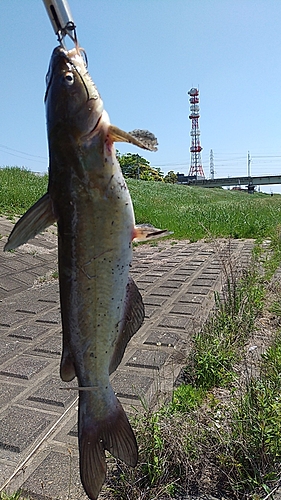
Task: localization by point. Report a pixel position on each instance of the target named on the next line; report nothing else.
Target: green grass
(195, 213)
(19, 189)
(190, 212)
(220, 434)
(14, 496)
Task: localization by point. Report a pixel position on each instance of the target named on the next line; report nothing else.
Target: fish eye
(69, 78)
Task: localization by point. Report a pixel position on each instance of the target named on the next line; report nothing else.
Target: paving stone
(53, 345)
(186, 309)
(3, 294)
(162, 337)
(48, 301)
(177, 322)
(29, 260)
(143, 286)
(5, 270)
(164, 269)
(8, 349)
(54, 392)
(171, 284)
(24, 367)
(163, 292)
(139, 269)
(192, 298)
(184, 272)
(10, 318)
(46, 484)
(198, 289)
(130, 386)
(148, 359)
(20, 427)
(27, 277)
(49, 291)
(28, 332)
(52, 317)
(29, 305)
(6, 470)
(74, 431)
(42, 270)
(178, 278)
(156, 274)
(8, 283)
(146, 279)
(201, 282)
(208, 277)
(44, 243)
(215, 272)
(216, 263)
(9, 391)
(153, 300)
(149, 311)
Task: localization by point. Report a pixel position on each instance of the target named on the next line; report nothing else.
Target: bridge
(250, 181)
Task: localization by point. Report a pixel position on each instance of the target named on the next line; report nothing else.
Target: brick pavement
(38, 420)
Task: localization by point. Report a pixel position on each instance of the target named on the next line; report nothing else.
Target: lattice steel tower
(196, 168)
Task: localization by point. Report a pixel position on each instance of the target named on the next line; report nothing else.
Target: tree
(171, 177)
(137, 167)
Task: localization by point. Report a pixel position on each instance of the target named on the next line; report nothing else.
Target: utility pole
(249, 164)
(212, 169)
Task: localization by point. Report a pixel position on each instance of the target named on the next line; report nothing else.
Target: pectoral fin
(141, 138)
(36, 219)
(145, 232)
(133, 318)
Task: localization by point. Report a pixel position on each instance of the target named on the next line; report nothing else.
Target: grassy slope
(189, 212)
(19, 189)
(193, 212)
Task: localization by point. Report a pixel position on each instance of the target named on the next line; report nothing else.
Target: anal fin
(132, 321)
(36, 219)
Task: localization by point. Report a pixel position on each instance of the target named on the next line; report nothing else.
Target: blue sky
(144, 55)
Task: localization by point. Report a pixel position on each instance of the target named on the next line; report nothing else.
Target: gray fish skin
(101, 306)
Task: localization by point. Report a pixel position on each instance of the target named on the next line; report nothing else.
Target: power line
(28, 156)
(22, 152)
(27, 159)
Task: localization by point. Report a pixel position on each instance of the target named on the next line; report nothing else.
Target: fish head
(72, 100)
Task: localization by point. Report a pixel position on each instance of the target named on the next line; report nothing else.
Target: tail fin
(113, 433)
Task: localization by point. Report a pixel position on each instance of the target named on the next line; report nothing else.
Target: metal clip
(61, 20)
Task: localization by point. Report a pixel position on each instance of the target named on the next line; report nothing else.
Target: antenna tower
(196, 168)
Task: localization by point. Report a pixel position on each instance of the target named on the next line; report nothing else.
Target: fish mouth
(60, 53)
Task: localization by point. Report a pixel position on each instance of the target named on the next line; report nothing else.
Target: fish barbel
(101, 306)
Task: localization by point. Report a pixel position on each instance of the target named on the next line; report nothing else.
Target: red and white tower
(196, 168)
